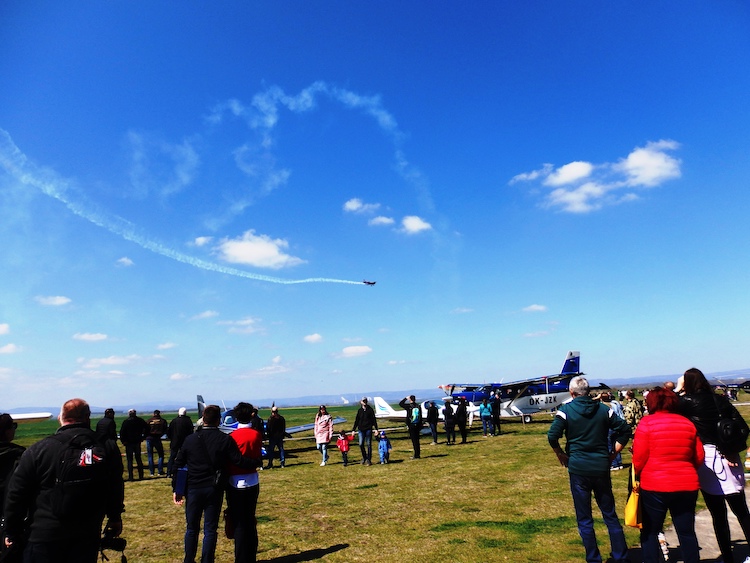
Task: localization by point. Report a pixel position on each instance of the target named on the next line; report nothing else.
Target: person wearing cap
(275, 432)
(384, 447)
(157, 427)
(10, 453)
(179, 428)
(132, 432)
(106, 428)
(413, 421)
(365, 421)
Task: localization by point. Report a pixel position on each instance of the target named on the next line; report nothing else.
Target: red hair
(661, 399)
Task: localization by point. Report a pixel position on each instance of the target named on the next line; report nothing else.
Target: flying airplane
(384, 410)
(368, 282)
(229, 424)
(23, 417)
(522, 398)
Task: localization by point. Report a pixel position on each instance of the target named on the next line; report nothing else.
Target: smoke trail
(17, 165)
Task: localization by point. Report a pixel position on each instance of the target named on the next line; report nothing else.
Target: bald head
(75, 410)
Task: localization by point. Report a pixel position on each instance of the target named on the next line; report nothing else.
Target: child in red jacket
(343, 445)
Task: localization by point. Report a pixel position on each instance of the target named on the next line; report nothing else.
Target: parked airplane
(229, 424)
(23, 417)
(522, 398)
(384, 410)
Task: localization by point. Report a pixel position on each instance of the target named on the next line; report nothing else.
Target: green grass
(494, 499)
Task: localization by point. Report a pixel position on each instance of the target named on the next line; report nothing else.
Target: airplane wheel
(527, 418)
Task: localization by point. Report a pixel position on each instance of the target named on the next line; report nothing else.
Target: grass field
(494, 499)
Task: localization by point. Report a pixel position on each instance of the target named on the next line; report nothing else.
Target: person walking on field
(413, 422)
(276, 432)
(323, 431)
(365, 421)
(585, 424)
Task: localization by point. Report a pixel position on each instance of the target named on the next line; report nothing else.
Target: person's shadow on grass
(309, 555)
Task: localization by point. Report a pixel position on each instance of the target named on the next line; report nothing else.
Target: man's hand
(115, 527)
(562, 457)
(178, 499)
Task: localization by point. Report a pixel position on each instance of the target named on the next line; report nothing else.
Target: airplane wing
(30, 417)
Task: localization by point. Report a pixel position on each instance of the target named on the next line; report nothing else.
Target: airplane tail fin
(382, 408)
(572, 365)
(201, 406)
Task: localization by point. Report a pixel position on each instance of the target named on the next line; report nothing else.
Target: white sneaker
(747, 559)
(322, 463)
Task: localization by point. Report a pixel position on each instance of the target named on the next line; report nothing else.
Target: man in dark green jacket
(585, 424)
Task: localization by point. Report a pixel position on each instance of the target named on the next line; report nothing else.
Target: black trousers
(414, 435)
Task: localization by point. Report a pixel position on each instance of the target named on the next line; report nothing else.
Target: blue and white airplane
(525, 397)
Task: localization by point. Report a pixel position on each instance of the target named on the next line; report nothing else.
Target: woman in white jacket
(323, 432)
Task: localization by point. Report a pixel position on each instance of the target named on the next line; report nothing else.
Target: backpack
(80, 477)
(416, 416)
(731, 430)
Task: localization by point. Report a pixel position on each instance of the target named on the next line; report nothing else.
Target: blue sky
(192, 193)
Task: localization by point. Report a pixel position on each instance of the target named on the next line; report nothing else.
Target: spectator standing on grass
(496, 403)
(632, 410)
(157, 427)
(276, 432)
(384, 447)
(133, 430)
(722, 476)
(485, 414)
(66, 521)
(257, 422)
(585, 424)
(413, 422)
(342, 444)
(323, 431)
(179, 428)
(365, 421)
(606, 399)
(462, 416)
(205, 453)
(449, 416)
(244, 487)
(666, 455)
(433, 415)
(10, 453)
(107, 427)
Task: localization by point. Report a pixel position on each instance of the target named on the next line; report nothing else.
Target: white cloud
(411, 224)
(313, 338)
(569, 173)
(354, 351)
(257, 250)
(204, 315)
(166, 346)
(381, 220)
(179, 376)
(535, 308)
(248, 325)
(89, 336)
(160, 167)
(125, 262)
(9, 349)
(202, 241)
(52, 300)
(96, 363)
(4, 328)
(538, 334)
(583, 187)
(650, 165)
(355, 205)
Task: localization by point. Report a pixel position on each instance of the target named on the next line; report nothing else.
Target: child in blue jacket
(384, 448)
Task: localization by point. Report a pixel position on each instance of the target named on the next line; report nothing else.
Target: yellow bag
(633, 505)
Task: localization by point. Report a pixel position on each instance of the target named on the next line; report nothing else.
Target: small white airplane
(384, 410)
(23, 417)
(525, 397)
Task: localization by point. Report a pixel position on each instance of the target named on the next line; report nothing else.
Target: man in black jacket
(132, 432)
(206, 453)
(275, 432)
(106, 428)
(365, 421)
(157, 427)
(179, 429)
(413, 421)
(66, 522)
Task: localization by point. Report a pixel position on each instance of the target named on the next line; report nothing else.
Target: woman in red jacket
(666, 455)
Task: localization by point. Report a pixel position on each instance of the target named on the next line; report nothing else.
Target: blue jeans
(433, 431)
(486, 425)
(273, 444)
(324, 450)
(206, 502)
(365, 444)
(151, 445)
(681, 506)
(582, 487)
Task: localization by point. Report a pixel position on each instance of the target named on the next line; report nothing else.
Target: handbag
(633, 505)
(731, 429)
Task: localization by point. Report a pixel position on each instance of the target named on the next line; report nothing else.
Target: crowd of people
(58, 492)
(682, 443)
